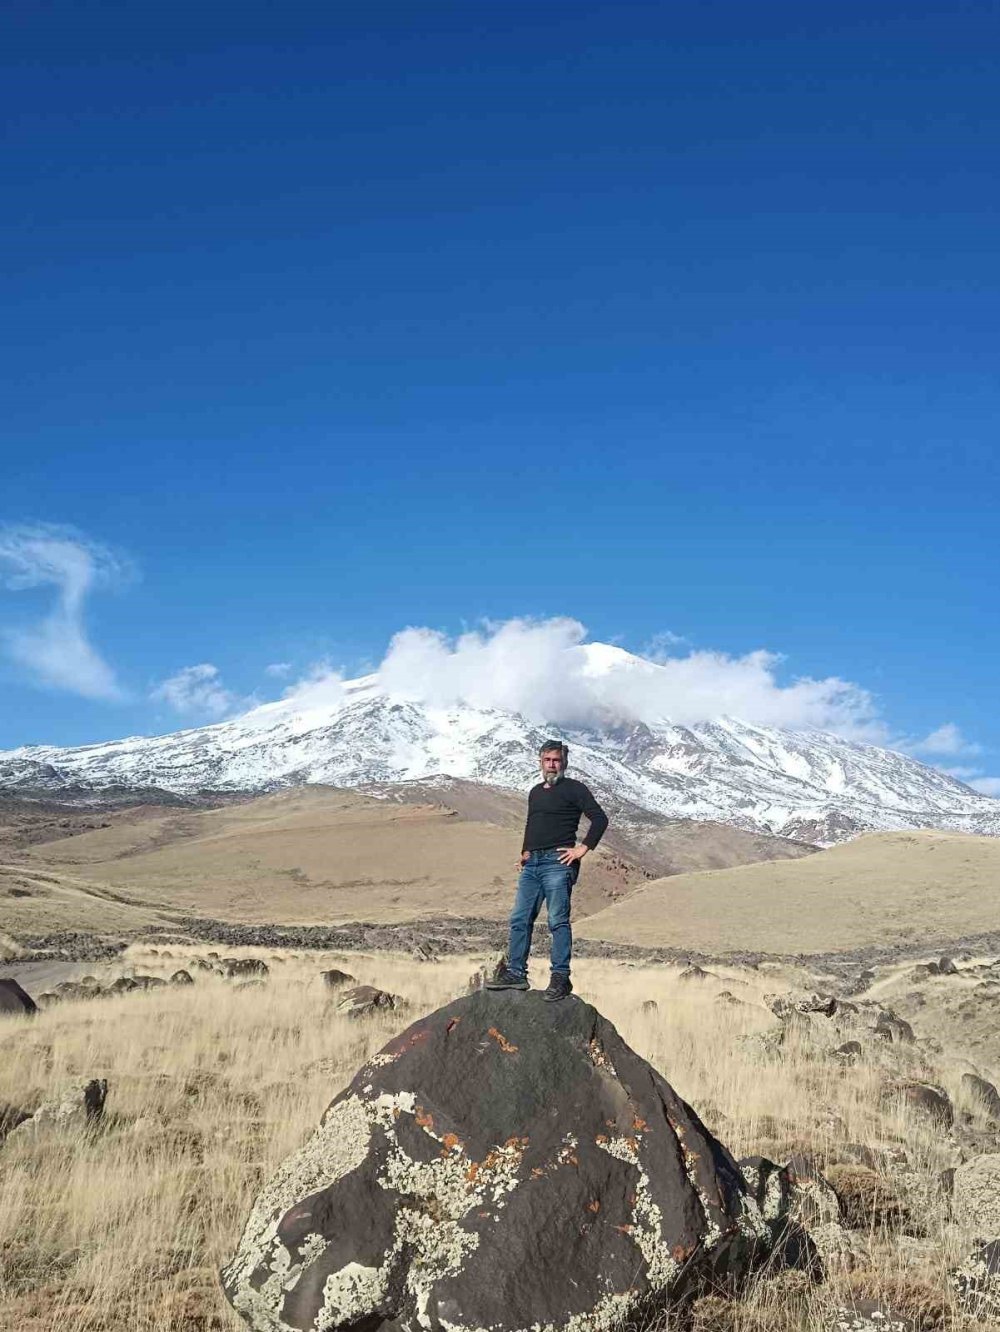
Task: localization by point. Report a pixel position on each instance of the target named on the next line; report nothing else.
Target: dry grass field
(313, 855)
(316, 855)
(123, 1228)
(903, 889)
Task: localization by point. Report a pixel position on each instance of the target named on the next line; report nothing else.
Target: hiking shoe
(560, 986)
(505, 979)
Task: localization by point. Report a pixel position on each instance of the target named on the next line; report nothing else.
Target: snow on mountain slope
(809, 785)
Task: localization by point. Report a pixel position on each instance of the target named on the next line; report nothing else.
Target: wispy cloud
(198, 691)
(947, 741)
(279, 669)
(55, 650)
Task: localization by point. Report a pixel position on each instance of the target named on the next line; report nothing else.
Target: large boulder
(504, 1163)
(15, 1000)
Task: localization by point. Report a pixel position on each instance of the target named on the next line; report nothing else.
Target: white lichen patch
(348, 1294)
(646, 1219)
(774, 1200)
(338, 1146)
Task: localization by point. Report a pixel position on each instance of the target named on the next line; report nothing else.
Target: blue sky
(322, 321)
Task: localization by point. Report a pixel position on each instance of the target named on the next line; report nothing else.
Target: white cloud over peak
(528, 666)
(986, 785)
(197, 691)
(55, 650)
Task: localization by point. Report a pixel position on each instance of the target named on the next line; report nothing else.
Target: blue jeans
(542, 879)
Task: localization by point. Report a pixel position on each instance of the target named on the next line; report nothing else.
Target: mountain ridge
(808, 785)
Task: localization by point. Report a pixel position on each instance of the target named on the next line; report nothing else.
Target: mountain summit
(805, 784)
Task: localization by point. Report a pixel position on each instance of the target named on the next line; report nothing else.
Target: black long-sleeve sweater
(554, 815)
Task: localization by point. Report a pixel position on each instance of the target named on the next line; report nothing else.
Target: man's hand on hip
(570, 854)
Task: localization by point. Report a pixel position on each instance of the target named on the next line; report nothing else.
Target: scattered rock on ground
(239, 968)
(849, 1051)
(867, 1199)
(503, 1163)
(893, 1029)
(976, 1282)
(984, 1092)
(15, 1000)
(182, 978)
(80, 1104)
(928, 1100)
(334, 979)
(364, 1000)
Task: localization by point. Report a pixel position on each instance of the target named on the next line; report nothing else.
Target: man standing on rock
(550, 864)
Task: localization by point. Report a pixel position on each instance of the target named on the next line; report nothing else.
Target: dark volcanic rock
(984, 1092)
(503, 1163)
(867, 1199)
(182, 978)
(696, 973)
(977, 1282)
(15, 1000)
(334, 979)
(364, 1000)
(239, 968)
(930, 1101)
(893, 1029)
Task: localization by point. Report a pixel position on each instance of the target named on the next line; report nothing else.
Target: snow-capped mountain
(810, 785)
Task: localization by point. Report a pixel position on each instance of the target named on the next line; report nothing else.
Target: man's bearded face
(551, 764)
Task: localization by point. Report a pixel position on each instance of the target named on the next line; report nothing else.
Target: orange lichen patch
(573, 1161)
(472, 1171)
(594, 1206)
(625, 1230)
(632, 1144)
(396, 1112)
(451, 1141)
(639, 1125)
(537, 1172)
(452, 1024)
(601, 1139)
(502, 1041)
(520, 1143)
(610, 1123)
(424, 1120)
